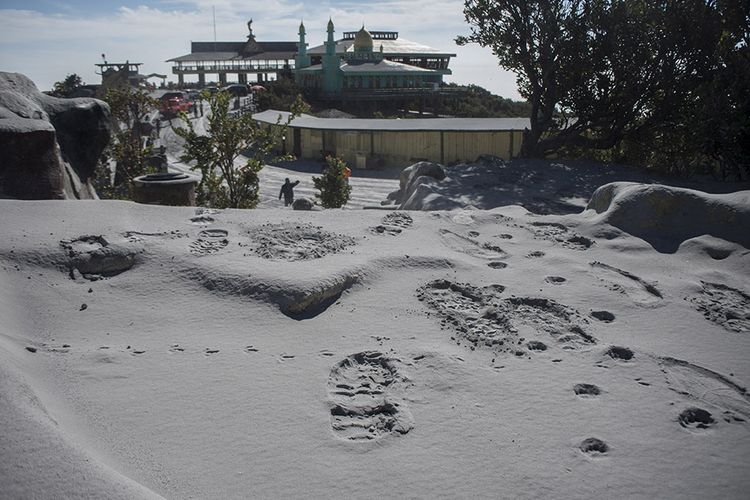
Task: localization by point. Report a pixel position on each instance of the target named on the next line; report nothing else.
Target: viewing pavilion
(249, 57)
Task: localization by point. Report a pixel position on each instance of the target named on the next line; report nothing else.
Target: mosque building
(366, 65)
(361, 68)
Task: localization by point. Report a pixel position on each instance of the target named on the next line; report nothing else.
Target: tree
(333, 184)
(128, 149)
(224, 182)
(597, 72)
(477, 102)
(66, 87)
(280, 95)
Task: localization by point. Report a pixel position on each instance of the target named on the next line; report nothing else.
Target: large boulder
(303, 203)
(667, 216)
(413, 176)
(49, 147)
(423, 168)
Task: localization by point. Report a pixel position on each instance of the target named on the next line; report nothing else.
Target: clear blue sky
(48, 39)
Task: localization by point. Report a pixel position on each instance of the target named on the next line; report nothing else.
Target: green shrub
(333, 184)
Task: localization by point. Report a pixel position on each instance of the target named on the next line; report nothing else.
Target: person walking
(287, 190)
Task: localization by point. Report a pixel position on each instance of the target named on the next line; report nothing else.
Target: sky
(49, 39)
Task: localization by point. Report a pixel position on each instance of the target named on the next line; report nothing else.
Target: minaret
(330, 63)
(302, 60)
(330, 43)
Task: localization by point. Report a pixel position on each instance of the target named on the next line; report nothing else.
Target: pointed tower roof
(363, 40)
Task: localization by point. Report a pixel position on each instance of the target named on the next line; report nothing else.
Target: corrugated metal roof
(196, 47)
(233, 56)
(271, 56)
(390, 47)
(416, 124)
(205, 56)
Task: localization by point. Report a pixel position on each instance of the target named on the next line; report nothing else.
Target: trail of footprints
(366, 389)
(481, 317)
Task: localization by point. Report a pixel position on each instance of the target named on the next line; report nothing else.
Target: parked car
(173, 103)
(237, 90)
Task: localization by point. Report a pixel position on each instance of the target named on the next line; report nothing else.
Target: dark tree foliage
(478, 102)
(600, 74)
(66, 87)
(280, 95)
(128, 149)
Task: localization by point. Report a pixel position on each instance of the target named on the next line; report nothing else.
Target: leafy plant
(227, 181)
(66, 87)
(128, 149)
(333, 184)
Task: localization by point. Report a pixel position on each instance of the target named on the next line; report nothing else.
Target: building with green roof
(366, 65)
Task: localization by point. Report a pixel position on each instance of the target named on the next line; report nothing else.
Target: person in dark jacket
(287, 190)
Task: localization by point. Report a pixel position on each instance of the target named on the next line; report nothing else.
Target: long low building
(383, 143)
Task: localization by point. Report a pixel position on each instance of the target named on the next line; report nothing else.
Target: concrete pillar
(242, 77)
(222, 79)
(201, 80)
(180, 79)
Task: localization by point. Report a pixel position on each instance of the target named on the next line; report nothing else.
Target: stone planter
(172, 188)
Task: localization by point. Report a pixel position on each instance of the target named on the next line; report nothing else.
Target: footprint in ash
(366, 394)
(209, 241)
(708, 388)
(593, 447)
(393, 223)
(724, 305)
(472, 247)
(637, 289)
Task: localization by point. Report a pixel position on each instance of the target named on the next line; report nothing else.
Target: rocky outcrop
(414, 186)
(303, 203)
(666, 216)
(49, 147)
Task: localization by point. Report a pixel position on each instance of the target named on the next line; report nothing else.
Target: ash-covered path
(369, 187)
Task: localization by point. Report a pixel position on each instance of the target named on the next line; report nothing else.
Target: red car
(172, 105)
